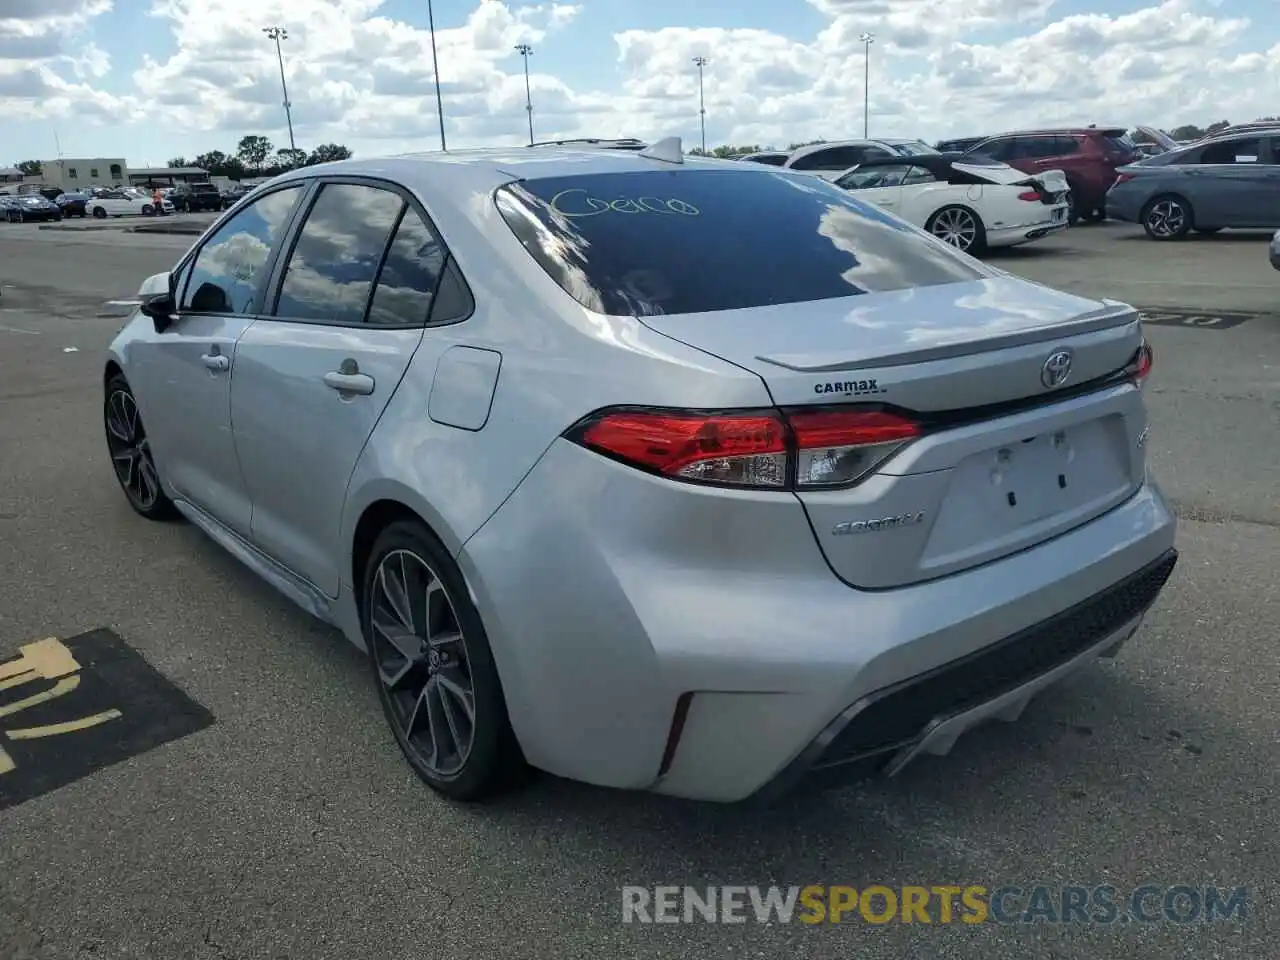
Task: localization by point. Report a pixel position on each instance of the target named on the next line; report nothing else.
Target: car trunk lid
(1006, 457)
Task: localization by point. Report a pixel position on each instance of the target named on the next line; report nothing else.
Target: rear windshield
(642, 243)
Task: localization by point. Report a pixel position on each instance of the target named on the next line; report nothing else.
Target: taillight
(1029, 195)
(1140, 365)
(1123, 178)
(748, 449)
(838, 447)
(800, 449)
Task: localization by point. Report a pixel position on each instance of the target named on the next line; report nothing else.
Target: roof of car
(1100, 129)
(498, 165)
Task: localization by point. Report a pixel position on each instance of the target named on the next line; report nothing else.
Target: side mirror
(162, 310)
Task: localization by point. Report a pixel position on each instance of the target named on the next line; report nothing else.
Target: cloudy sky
(150, 79)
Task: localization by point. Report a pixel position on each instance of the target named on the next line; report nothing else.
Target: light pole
(525, 50)
(701, 62)
(435, 66)
(277, 34)
(867, 40)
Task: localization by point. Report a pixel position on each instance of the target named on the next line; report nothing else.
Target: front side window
(693, 241)
(335, 260)
(227, 270)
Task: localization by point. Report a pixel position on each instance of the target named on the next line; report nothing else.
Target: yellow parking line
(53, 729)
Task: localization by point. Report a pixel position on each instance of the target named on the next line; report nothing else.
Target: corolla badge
(1056, 369)
(846, 527)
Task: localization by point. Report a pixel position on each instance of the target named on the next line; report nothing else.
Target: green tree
(1213, 128)
(290, 159)
(177, 162)
(30, 168)
(327, 153)
(253, 151)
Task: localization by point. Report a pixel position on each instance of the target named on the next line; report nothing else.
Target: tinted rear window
(695, 241)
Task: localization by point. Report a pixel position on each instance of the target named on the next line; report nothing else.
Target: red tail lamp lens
(1029, 195)
(749, 449)
(755, 449)
(1143, 362)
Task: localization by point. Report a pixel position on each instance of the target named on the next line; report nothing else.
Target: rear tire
(1167, 217)
(960, 227)
(99, 213)
(431, 663)
(148, 210)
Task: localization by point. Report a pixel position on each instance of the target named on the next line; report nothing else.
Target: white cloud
(938, 67)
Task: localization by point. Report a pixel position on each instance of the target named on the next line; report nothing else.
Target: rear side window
(836, 158)
(1065, 145)
(335, 260)
(408, 281)
(1233, 151)
(1117, 141)
(693, 241)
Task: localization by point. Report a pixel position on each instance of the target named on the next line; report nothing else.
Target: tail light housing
(1122, 178)
(1140, 366)
(802, 449)
(1029, 195)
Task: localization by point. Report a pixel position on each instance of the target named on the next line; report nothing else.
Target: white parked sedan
(125, 203)
(971, 205)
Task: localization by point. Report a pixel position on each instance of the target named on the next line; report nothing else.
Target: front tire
(148, 210)
(1167, 217)
(960, 227)
(131, 456)
(99, 213)
(434, 669)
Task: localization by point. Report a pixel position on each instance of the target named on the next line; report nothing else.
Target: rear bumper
(1023, 233)
(886, 730)
(610, 597)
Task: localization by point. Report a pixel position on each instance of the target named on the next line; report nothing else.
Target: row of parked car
(51, 203)
(1228, 180)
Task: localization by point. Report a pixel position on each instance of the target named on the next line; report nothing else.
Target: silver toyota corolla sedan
(658, 473)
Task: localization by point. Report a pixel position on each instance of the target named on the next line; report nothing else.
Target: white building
(75, 174)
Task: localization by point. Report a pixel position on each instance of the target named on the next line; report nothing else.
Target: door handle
(216, 361)
(360, 383)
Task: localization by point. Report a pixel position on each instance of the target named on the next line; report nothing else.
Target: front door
(314, 377)
(185, 372)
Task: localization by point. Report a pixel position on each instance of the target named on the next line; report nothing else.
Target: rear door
(313, 377)
(1231, 179)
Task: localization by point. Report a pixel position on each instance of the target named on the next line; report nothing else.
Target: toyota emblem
(1056, 369)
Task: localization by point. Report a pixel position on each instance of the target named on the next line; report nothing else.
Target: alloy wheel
(1166, 218)
(418, 646)
(131, 451)
(957, 227)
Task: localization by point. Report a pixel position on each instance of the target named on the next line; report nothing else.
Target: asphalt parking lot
(279, 821)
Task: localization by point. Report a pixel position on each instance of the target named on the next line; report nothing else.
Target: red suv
(1087, 155)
